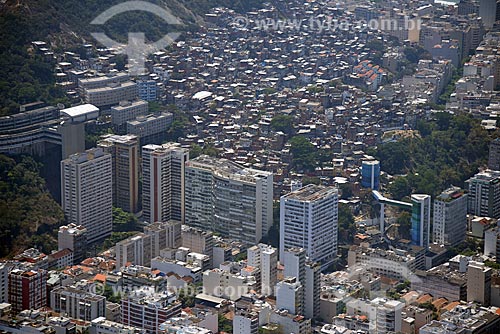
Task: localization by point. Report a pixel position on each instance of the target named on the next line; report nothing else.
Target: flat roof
(80, 110)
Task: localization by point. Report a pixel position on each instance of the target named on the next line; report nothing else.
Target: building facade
(421, 220)
(484, 194)
(163, 182)
(370, 174)
(73, 237)
(227, 198)
(87, 192)
(309, 220)
(77, 304)
(27, 289)
(124, 152)
(450, 217)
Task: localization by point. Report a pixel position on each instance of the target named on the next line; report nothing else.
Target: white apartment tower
(450, 217)
(309, 220)
(265, 258)
(227, 198)
(87, 192)
(163, 182)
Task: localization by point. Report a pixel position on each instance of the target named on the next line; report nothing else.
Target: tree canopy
(451, 149)
(304, 153)
(29, 214)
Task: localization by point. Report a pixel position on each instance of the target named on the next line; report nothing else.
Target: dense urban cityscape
(264, 167)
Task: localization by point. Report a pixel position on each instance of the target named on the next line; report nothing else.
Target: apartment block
(150, 129)
(265, 258)
(479, 283)
(229, 199)
(27, 289)
(136, 250)
(148, 309)
(87, 192)
(163, 182)
(421, 220)
(484, 194)
(77, 304)
(124, 152)
(309, 220)
(111, 94)
(73, 237)
(128, 111)
(290, 296)
(494, 157)
(164, 235)
(450, 217)
(197, 240)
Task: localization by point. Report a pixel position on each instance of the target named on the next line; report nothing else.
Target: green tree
(399, 188)
(186, 297)
(346, 190)
(310, 180)
(347, 225)
(303, 152)
(404, 225)
(283, 123)
(225, 325)
(29, 215)
(124, 221)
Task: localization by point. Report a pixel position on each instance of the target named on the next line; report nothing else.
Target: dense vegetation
(30, 216)
(451, 149)
(65, 25)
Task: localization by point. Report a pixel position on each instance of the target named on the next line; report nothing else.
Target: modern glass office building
(370, 174)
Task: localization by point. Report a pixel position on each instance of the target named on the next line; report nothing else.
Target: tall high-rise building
(227, 198)
(124, 152)
(74, 238)
(163, 182)
(27, 289)
(492, 243)
(370, 174)
(494, 158)
(450, 217)
(309, 220)
(484, 194)
(488, 12)
(421, 220)
(265, 258)
(87, 192)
